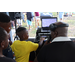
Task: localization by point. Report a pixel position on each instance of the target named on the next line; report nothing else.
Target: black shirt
(6, 59)
(29, 16)
(8, 52)
(57, 52)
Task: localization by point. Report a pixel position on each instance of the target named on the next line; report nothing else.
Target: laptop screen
(46, 21)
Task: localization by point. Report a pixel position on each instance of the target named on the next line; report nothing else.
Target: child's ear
(2, 44)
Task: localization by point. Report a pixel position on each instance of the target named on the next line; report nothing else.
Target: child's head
(3, 39)
(22, 33)
(5, 22)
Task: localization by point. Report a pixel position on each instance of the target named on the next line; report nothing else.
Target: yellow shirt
(22, 50)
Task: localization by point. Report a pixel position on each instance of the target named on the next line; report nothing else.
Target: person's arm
(41, 55)
(40, 45)
(41, 41)
(41, 51)
(48, 41)
(32, 46)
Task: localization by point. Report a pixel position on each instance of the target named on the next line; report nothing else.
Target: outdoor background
(69, 18)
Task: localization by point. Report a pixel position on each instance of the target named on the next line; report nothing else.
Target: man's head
(3, 39)
(22, 33)
(58, 29)
(5, 22)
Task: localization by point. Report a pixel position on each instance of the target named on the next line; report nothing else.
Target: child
(4, 45)
(22, 48)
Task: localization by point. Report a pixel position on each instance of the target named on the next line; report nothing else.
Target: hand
(41, 40)
(47, 42)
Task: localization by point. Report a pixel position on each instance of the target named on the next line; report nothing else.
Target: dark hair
(4, 18)
(19, 29)
(2, 34)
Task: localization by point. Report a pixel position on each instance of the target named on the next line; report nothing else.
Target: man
(6, 24)
(61, 48)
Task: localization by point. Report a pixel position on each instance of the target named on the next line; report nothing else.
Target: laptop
(45, 22)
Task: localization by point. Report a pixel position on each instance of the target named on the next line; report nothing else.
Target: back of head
(62, 28)
(5, 22)
(58, 29)
(19, 31)
(4, 18)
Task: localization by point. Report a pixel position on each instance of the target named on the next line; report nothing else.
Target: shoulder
(18, 41)
(71, 43)
(15, 41)
(46, 47)
(64, 44)
(31, 42)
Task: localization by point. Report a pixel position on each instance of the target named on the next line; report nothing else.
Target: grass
(32, 32)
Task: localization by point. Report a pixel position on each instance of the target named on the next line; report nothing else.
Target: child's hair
(4, 18)
(2, 35)
(19, 29)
